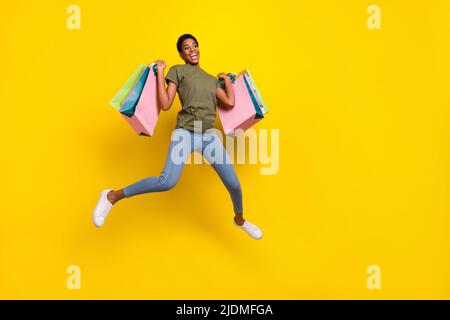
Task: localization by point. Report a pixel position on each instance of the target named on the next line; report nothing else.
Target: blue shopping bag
(129, 105)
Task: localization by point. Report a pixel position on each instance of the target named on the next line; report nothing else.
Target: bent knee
(167, 183)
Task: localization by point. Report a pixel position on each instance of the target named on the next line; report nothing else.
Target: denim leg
(172, 169)
(217, 156)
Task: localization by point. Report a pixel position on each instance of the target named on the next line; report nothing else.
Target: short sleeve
(173, 75)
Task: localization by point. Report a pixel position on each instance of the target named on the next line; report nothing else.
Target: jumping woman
(199, 94)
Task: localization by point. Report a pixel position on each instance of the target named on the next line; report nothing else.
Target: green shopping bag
(259, 112)
(122, 94)
(260, 98)
(129, 106)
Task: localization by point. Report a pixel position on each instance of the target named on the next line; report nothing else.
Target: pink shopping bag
(147, 109)
(243, 115)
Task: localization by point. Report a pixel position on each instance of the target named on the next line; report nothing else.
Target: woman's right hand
(160, 66)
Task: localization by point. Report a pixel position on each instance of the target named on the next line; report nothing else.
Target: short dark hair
(182, 38)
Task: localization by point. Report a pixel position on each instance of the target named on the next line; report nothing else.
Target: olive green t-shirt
(197, 92)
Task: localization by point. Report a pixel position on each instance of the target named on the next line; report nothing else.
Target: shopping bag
(259, 112)
(249, 107)
(246, 110)
(147, 110)
(129, 105)
(121, 95)
(257, 93)
(260, 105)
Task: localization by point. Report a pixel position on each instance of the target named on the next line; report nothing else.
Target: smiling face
(190, 52)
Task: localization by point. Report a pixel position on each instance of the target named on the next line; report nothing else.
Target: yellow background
(364, 153)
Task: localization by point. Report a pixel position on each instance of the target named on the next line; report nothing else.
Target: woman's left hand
(223, 76)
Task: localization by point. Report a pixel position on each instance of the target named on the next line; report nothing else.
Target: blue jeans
(209, 145)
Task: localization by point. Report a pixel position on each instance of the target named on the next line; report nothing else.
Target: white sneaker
(252, 230)
(102, 209)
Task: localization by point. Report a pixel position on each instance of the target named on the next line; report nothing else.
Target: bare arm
(165, 96)
(225, 98)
